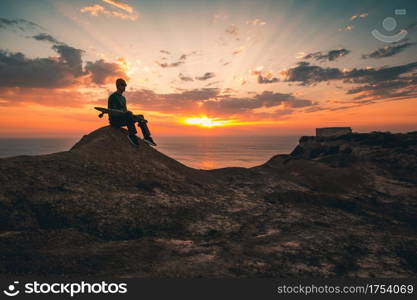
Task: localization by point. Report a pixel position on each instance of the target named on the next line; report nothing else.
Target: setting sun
(205, 121)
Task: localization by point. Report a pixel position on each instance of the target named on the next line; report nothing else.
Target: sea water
(208, 152)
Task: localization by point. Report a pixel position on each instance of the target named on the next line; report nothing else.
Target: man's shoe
(133, 139)
(149, 140)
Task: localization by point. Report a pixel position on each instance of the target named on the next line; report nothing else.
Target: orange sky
(205, 68)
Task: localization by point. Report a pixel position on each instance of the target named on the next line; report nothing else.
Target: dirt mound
(334, 207)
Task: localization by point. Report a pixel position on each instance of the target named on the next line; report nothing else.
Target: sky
(209, 67)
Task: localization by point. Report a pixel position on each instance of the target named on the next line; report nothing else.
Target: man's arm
(115, 112)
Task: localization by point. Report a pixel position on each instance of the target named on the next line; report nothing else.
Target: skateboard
(143, 126)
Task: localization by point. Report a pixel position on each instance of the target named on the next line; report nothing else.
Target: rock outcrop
(335, 206)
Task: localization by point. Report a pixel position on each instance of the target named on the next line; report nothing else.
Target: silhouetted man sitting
(126, 118)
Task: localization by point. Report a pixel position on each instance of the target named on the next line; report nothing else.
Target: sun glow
(204, 121)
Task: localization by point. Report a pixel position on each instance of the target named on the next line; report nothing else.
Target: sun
(204, 121)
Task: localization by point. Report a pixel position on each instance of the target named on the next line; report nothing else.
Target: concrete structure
(333, 131)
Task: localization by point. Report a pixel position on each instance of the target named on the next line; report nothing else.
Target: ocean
(196, 152)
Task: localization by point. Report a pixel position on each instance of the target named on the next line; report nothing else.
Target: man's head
(120, 85)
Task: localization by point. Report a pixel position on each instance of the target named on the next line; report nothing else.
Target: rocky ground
(343, 206)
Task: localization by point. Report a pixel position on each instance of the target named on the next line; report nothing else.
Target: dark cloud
(263, 80)
(71, 57)
(180, 61)
(185, 78)
(46, 37)
(169, 65)
(196, 94)
(21, 24)
(236, 106)
(269, 98)
(103, 72)
(372, 75)
(329, 55)
(185, 101)
(362, 15)
(68, 55)
(308, 74)
(16, 70)
(377, 83)
(206, 76)
(402, 87)
(388, 51)
(301, 103)
(213, 83)
(212, 101)
(165, 51)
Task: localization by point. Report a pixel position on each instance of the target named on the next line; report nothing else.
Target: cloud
(180, 61)
(186, 101)
(96, 10)
(206, 76)
(377, 83)
(330, 55)
(165, 51)
(120, 5)
(268, 98)
(100, 71)
(103, 72)
(349, 27)
(362, 16)
(185, 78)
(213, 83)
(346, 28)
(238, 106)
(18, 71)
(46, 37)
(263, 79)
(402, 87)
(21, 24)
(71, 57)
(267, 79)
(213, 101)
(388, 51)
(309, 74)
(169, 65)
(66, 69)
(372, 75)
(237, 51)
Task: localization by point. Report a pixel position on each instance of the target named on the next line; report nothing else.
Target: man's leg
(143, 126)
(128, 120)
(130, 123)
(145, 130)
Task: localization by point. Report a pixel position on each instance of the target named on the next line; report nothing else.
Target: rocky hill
(335, 206)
